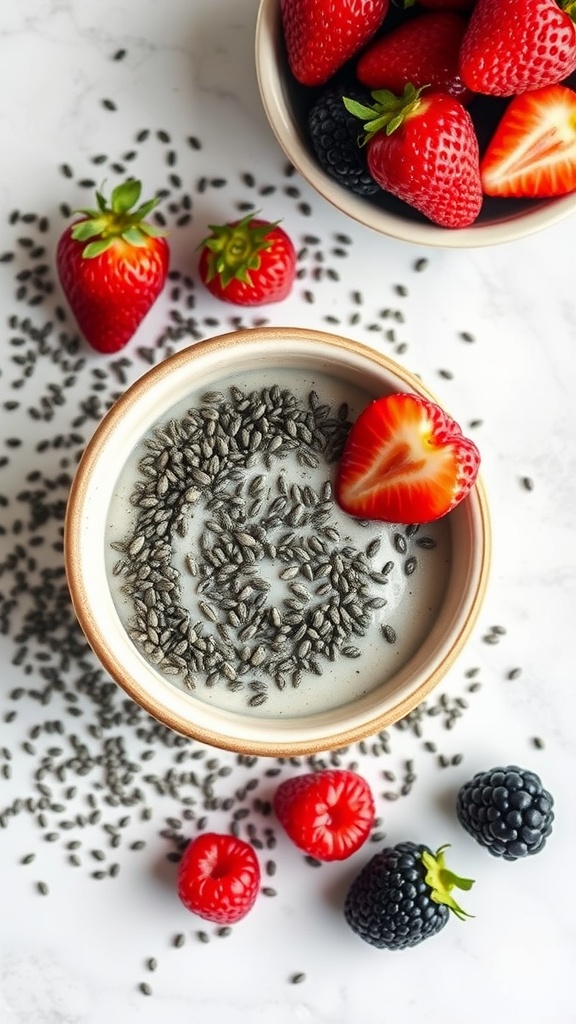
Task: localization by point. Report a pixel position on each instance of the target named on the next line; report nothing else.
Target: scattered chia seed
(297, 978)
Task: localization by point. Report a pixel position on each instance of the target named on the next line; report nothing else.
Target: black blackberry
(507, 810)
(334, 134)
(402, 896)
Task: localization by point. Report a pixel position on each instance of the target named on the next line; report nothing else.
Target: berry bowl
(287, 105)
(217, 579)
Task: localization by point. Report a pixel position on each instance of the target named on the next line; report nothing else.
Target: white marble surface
(78, 955)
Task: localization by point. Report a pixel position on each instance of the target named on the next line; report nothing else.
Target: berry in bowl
(441, 122)
(276, 542)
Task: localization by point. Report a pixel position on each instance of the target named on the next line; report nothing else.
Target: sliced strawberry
(533, 150)
(327, 814)
(218, 877)
(405, 461)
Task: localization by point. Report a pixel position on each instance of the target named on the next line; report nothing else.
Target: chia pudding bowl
(217, 580)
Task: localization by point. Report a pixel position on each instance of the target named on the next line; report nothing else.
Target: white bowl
(286, 104)
(433, 609)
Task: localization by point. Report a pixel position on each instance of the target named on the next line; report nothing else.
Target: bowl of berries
(438, 122)
(291, 549)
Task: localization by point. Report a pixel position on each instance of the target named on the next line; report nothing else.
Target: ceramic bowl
(240, 684)
(286, 104)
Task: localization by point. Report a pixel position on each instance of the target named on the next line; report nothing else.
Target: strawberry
(112, 266)
(328, 814)
(321, 35)
(423, 149)
(249, 262)
(405, 461)
(512, 46)
(218, 877)
(424, 51)
(533, 150)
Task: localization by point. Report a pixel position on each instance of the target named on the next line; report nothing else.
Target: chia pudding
(235, 573)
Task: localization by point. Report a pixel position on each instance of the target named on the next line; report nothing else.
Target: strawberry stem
(569, 8)
(101, 227)
(388, 112)
(234, 249)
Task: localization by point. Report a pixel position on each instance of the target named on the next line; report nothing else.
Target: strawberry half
(511, 46)
(321, 35)
(328, 814)
(248, 262)
(423, 149)
(405, 461)
(533, 150)
(218, 877)
(112, 266)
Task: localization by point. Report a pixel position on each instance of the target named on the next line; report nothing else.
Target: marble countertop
(91, 801)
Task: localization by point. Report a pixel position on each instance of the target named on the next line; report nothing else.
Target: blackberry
(402, 896)
(507, 810)
(334, 134)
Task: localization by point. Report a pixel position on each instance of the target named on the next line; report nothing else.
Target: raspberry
(328, 814)
(218, 877)
(507, 810)
(334, 137)
(402, 896)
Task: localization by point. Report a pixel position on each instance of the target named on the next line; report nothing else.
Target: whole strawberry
(112, 266)
(218, 877)
(423, 149)
(248, 262)
(321, 35)
(422, 51)
(512, 46)
(328, 814)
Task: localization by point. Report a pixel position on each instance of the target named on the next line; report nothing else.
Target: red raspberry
(218, 877)
(328, 814)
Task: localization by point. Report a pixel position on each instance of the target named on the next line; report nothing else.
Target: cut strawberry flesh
(533, 151)
(405, 461)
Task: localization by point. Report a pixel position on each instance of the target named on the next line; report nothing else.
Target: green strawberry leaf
(96, 248)
(134, 236)
(388, 112)
(234, 249)
(358, 109)
(125, 196)
(118, 219)
(85, 229)
(146, 208)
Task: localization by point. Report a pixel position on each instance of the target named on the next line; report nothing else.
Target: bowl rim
(85, 600)
(277, 111)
